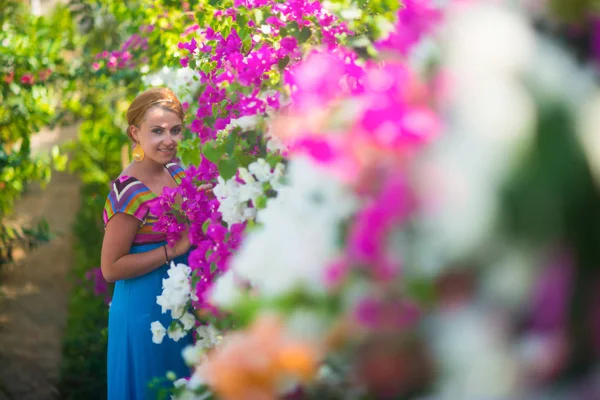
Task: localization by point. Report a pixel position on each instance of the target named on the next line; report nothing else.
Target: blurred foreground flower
(260, 363)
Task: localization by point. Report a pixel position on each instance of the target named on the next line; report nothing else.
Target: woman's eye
(176, 131)
(158, 131)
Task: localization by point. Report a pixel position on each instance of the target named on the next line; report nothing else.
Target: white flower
(158, 332)
(234, 197)
(488, 39)
(230, 205)
(186, 389)
(251, 189)
(351, 13)
(275, 144)
(266, 29)
(180, 80)
(225, 292)
(176, 290)
(176, 332)
(188, 320)
(208, 336)
(176, 294)
(261, 170)
(181, 382)
(194, 354)
(245, 123)
(249, 213)
(276, 176)
(474, 355)
(298, 235)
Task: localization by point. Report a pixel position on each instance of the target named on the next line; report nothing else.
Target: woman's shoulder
(127, 195)
(176, 171)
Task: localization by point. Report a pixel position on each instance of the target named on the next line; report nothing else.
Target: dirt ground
(34, 291)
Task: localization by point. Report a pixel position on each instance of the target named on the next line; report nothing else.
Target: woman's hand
(181, 246)
(208, 190)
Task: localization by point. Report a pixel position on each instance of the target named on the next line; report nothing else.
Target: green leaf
(283, 62)
(212, 152)
(226, 31)
(200, 18)
(241, 20)
(205, 226)
(189, 151)
(246, 43)
(261, 202)
(227, 168)
(230, 143)
(304, 35)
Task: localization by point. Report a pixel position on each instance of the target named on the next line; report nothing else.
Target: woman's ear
(134, 133)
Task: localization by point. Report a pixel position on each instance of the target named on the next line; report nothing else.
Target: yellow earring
(138, 153)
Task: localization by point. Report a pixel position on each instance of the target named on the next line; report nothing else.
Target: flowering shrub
(368, 230)
(31, 63)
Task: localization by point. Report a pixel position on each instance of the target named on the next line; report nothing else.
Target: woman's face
(158, 134)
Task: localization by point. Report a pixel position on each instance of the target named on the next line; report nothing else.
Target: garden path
(35, 289)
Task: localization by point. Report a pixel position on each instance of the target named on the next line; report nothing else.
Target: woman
(136, 257)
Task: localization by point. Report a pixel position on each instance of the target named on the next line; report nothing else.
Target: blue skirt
(134, 361)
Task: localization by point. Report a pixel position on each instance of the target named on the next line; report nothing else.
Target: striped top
(130, 196)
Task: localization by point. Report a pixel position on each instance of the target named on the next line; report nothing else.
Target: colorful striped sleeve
(128, 195)
(176, 172)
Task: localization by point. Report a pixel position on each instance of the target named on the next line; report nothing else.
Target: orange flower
(254, 364)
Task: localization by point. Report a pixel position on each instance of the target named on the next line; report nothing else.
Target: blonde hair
(155, 97)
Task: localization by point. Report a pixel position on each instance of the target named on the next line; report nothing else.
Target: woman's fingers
(207, 188)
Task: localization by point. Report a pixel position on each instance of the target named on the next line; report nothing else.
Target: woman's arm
(117, 263)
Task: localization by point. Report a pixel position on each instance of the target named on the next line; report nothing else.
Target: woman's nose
(169, 140)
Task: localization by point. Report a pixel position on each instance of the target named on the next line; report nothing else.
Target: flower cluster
(277, 259)
(246, 72)
(123, 58)
(416, 19)
(238, 196)
(384, 112)
(233, 371)
(100, 288)
(250, 66)
(175, 298)
(29, 78)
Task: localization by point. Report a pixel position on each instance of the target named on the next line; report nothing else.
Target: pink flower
(595, 40)
(368, 236)
(415, 19)
(551, 295)
(100, 287)
(10, 77)
(274, 21)
(27, 79)
(336, 272)
(216, 232)
(190, 29)
(376, 313)
(112, 62)
(44, 74)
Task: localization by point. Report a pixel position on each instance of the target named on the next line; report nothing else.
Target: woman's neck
(149, 168)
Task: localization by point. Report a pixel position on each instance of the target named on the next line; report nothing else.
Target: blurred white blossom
(158, 332)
